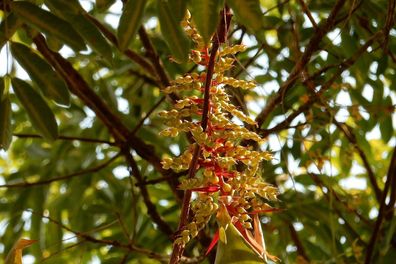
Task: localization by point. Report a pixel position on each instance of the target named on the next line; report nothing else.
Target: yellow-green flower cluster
(226, 182)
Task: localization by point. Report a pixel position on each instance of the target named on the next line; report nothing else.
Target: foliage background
(325, 99)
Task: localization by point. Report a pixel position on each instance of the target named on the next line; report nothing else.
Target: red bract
(207, 189)
(213, 242)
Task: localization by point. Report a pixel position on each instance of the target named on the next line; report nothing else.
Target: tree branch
(80, 88)
(61, 178)
(114, 243)
(113, 39)
(151, 209)
(312, 46)
(390, 184)
(71, 138)
(300, 248)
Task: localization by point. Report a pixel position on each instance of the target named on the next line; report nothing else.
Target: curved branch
(82, 139)
(62, 178)
(151, 209)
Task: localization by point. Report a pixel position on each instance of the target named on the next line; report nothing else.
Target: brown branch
(347, 131)
(151, 209)
(141, 122)
(219, 38)
(389, 185)
(300, 248)
(113, 39)
(348, 226)
(389, 22)
(154, 57)
(62, 178)
(144, 77)
(80, 88)
(344, 65)
(312, 46)
(162, 179)
(72, 138)
(308, 13)
(114, 243)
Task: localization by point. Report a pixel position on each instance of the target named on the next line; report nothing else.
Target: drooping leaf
(48, 23)
(248, 13)
(63, 8)
(236, 251)
(42, 73)
(130, 21)
(103, 4)
(174, 36)
(15, 254)
(37, 109)
(5, 122)
(2, 87)
(386, 124)
(206, 16)
(179, 8)
(75, 15)
(8, 27)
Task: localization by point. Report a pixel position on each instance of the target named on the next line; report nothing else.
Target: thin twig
(389, 184)
(113, 39)
(300, 248)
(114, 243)
(308, 13)
(312, 46)
(151, 209)
(72, 138)
(61, 178)
(147, 115)
(81, 89)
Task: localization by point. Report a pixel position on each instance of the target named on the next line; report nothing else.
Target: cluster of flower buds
(226, 181)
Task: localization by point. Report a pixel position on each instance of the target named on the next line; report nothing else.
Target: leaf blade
(130, 21)
(41, 73)
(8, 27)
(173, 34)
(48, 23)
(89, 32)
(248, 13)
(205, 14)
(40, 115)
(5, 122)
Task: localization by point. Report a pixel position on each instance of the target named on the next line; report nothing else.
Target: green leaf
(386, 124)
(236, 251)
(37, 109)
(93, 36)
(2, 87)
(205, 14)
(130, 21)
(8, 27)
(179, 8)
(76, 17)
(41, 72)
(173, 34)
(102, 5)
(248, 13)
(62, 8)
(47, 22)
(5, 122)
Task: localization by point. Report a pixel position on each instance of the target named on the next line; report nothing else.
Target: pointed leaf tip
(40, 115)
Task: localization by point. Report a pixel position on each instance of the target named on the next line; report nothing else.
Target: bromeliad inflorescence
(226, 182)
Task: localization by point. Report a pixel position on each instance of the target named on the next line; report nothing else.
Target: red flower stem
(208, 83)
(178, 249)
